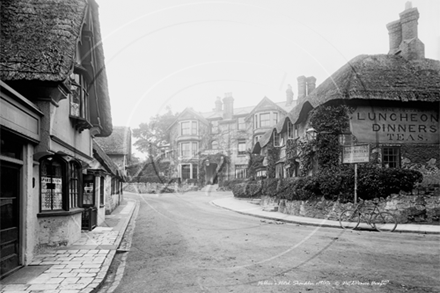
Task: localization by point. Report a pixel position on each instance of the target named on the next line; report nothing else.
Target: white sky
(186, 53)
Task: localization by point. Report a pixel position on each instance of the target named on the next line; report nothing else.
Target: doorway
(9, 218)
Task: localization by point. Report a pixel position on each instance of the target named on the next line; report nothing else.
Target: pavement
(252, 208)
(83, 266)
(77, 268)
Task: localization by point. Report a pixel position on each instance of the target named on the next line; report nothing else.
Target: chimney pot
(311, 84)
(289, 95)
(228, 102)
(218, 105)
(395, 36)
(301, 86)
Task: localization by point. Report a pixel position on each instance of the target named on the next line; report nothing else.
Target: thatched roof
(381, 77)
(38, 41)
(370, 77)
(118, 143)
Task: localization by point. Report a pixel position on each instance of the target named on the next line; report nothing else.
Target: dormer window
(79, 101)
(290, 130)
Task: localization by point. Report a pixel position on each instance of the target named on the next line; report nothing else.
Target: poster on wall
(51, 190)
(395, 125)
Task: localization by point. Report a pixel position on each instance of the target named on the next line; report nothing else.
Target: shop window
(240, 171)
(74, 184)
(241, 147)
(89, 191)
(60, 183)
(391, 157)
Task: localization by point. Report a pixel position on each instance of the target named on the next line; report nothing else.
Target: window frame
(192, 129)
(395, 153)
(70, 196)
(240, 171)
(265, 122)
(241, 123)
(192, 151)
(241, 142)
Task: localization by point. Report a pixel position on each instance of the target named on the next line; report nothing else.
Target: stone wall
(419, 209)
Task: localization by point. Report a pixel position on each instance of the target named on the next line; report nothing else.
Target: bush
(226, 185)
(239, 189)
(254, 188)
(269, 187)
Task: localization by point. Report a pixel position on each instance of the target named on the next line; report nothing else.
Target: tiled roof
(118, 143)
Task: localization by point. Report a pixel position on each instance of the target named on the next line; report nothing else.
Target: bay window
(189, 149)
(60, 184)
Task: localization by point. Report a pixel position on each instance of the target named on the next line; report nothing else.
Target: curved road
(183, 243)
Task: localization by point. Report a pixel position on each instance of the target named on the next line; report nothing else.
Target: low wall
(159, 188)
(59, 231)
(407, 208)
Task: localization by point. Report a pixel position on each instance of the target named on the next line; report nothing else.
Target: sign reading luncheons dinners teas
(395, 125)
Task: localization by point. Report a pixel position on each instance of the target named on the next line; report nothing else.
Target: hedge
(336, 183)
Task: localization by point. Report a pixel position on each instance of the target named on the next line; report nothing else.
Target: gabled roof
(118, 143)
(245, 111)
(104, 160)
(38, 42)
(190, 112)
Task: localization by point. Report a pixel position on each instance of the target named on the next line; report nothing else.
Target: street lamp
(311, 134)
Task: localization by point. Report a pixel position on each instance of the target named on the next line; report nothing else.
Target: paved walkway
(78, 268)
(252, 208)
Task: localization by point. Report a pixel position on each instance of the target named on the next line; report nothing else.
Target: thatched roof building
(38, 43)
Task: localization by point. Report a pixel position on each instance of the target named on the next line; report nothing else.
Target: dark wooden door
(10, 217)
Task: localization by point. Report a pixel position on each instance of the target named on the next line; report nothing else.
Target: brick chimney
(289, 95)
(228, 102)
(403, 35)
(218, 105)
(395, 35)
(301, 87)
(311, 84)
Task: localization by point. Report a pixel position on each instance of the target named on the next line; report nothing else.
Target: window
(240, 171)
(391, 157)
(215, 145)
(241, 147)
(186, 172)
(79, 97)
(74, 184)
(276, 139)
(89, 191)
(189, 127)
(214, 127)
(189, 149)
(101, 191)
(194, 171)
(257, 138)
(275, 117)
(51, 179)
(264, 119)
(189, 171)
(290, 130)
(241, 123)
(60, 181)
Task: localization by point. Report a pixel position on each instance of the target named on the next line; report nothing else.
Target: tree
(152, 136)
